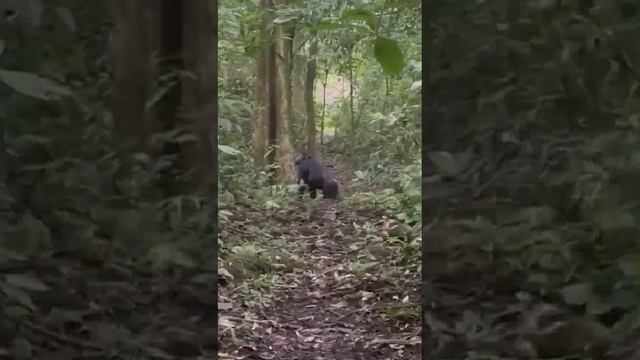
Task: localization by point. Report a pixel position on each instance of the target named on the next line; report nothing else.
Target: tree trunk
(287, 60)
(129, 60)
(260, 115)
(351, 111)
(200, 92)
(284, 153)
(169, 118)
(171, 47)
(429, 133)
(308, 97)
(386, 95)
(129, 53)
(272, 79)
(384, 103)
(324, 103)
(3, 152)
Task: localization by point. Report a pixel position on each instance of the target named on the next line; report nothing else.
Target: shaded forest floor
(349, 298)
(480, 304)
(91, 303)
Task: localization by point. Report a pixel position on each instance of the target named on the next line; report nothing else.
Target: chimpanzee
(315, 176)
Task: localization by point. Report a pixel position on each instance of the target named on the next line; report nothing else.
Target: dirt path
(345, 303)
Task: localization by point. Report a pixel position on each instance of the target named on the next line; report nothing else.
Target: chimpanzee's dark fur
(316, 177)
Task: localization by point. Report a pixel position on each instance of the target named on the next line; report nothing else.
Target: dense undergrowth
(541, 143)
(67, 183)
(375, 132)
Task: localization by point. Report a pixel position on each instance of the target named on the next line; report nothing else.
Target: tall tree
(260, 115)
(308, 96)
(287, 59)
(200, 91)
(171, 60)
(324, 80)
(284, 151)
(169, 117)
(183, 32)
(277, 105)
(129, 52)
(273, 101)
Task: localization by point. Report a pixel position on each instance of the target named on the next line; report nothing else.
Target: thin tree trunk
(200, 60)
(272, 78)
(3, 152)
(129, 51)
(273, 102)
(308, 95)
(429, 133)
(129, 60)
(385, 102)
(284, 153)
(386, 94)
(324, 103)
(259, 123)
(289, 66)
(171, 59)
(172, 27)
(351, 112)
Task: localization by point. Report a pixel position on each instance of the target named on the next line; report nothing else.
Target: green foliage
(382, 138)
(544, 121)
(397, 190)
(69, 187)
(386, 129)
(33, 85)
(389, 55)
(362, 14)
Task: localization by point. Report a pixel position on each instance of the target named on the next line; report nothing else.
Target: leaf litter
(336, 303)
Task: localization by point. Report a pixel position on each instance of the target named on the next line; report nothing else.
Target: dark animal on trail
(316, 177)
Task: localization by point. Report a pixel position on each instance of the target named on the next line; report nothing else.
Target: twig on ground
(409, 342)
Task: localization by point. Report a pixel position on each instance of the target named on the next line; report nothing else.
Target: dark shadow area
(531, 188)
(108, 180)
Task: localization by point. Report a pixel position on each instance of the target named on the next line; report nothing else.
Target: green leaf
(538, 215)
(577, 294)
(360, 174)
(33, 85)
(159, 94)
(389, 55)
(630, 265)
(229, 150)
(18, 295)
(164, 255)
(251, 50)
(26, 282)
(225, 124)
(186, 138)
(364, 267)
(362, 14)
(448, 164)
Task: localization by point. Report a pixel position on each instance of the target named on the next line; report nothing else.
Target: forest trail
(338, 306)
